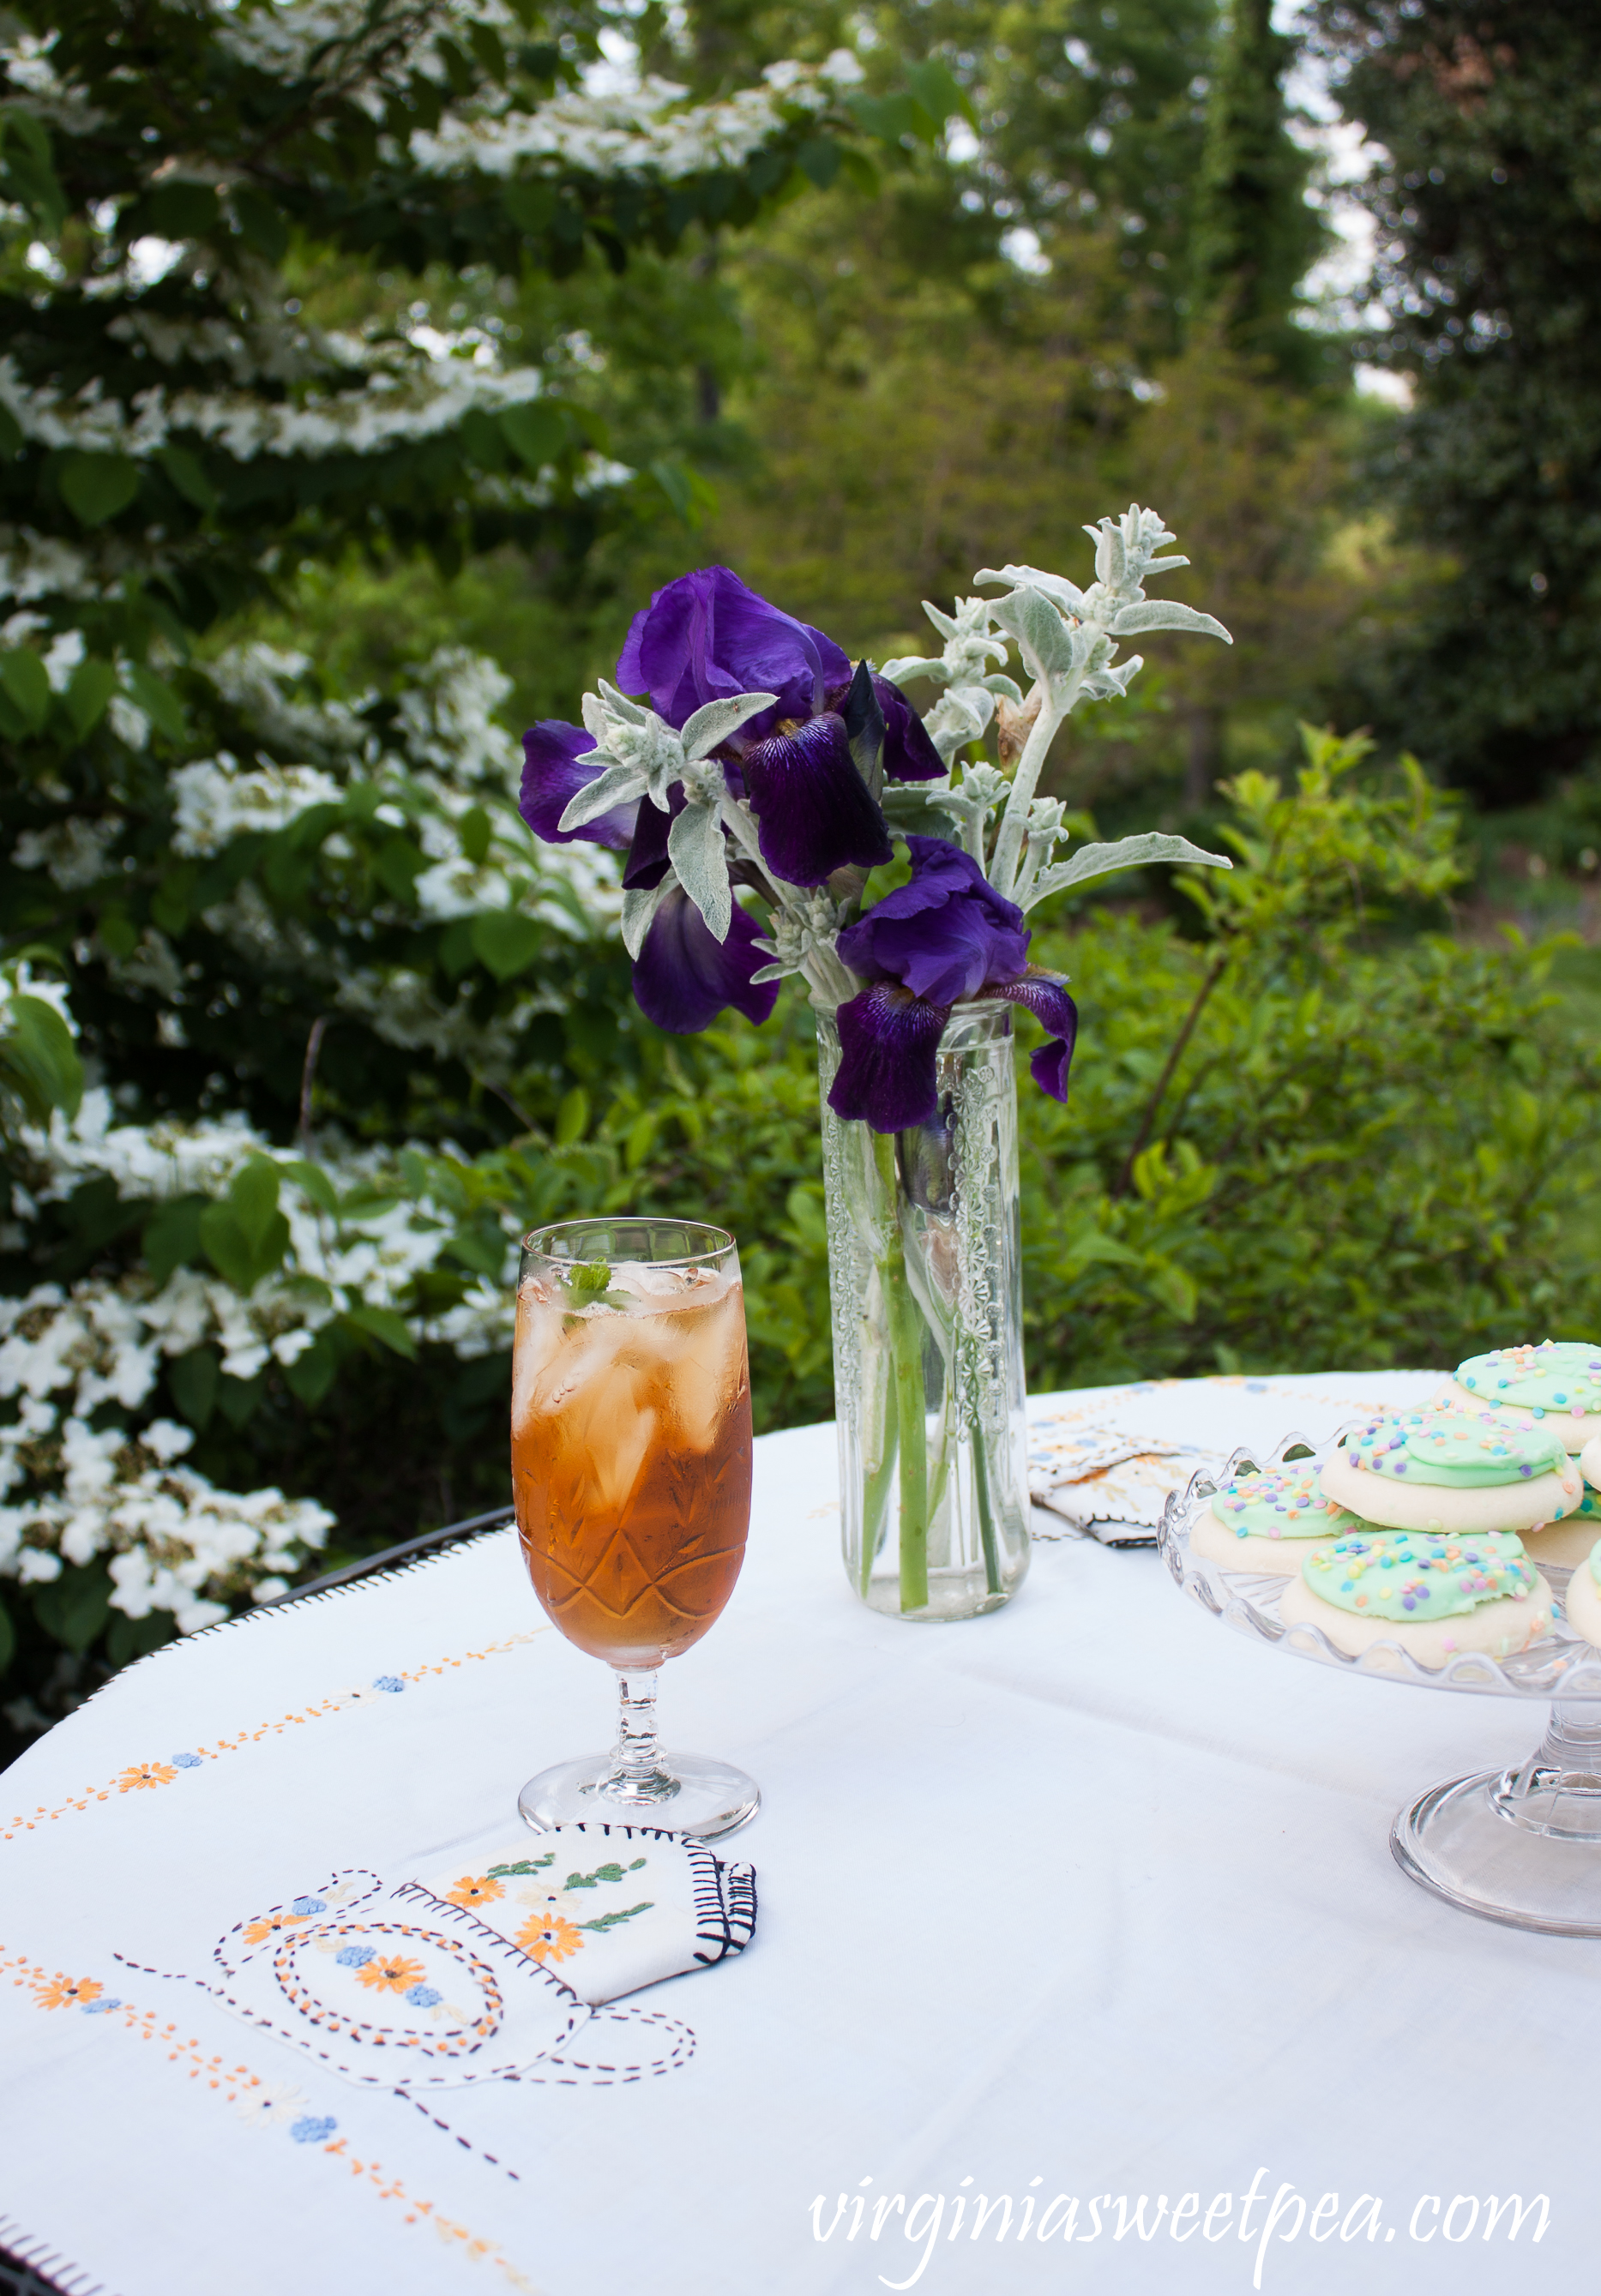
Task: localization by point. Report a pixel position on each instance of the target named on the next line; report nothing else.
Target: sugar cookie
(1558, 1382)
(1444, 1469)
(1262, 1521)
(1436, 1596)
(1583, 1600)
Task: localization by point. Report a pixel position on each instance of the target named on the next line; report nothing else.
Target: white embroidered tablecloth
(1084, 1901)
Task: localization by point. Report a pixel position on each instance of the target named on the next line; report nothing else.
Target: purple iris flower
(683, 978)
(945, 939)
(707, 636)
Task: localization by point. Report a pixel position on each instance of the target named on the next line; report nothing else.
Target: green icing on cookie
(1408, 1576)
(1561, 1377)
(1457, 1449)
(1281, 1503)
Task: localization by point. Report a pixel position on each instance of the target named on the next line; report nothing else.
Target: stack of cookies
(1429, 1527)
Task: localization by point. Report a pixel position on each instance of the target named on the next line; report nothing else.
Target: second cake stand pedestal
(1519, 1846)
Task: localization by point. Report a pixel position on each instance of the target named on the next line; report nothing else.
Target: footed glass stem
(637, 1784)
(1519, 1846)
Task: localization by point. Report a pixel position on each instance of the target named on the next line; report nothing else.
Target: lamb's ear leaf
(714, 721)
(639, 907)
(699, 853)
(1128, 853)
(1165, 614)
(615, 786)
(1037, 625)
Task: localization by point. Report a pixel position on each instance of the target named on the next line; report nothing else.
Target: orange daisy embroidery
(474, 1890)
(265, 1925)
(549, 1936)
(59, 1992)
(392, 1975)
(145, 1773)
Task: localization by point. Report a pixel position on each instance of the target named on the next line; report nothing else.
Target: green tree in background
(1254, 236)
(1488, 203)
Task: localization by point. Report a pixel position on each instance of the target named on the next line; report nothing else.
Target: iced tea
(632, 1453)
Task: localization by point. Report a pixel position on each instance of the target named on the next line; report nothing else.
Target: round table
(1077, 1922)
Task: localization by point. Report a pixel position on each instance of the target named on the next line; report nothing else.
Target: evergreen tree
(1254, 236)
(1488, 203)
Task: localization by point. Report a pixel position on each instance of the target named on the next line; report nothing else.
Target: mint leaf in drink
(588, 1278)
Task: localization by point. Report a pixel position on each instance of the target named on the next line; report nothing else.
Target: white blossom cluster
(386, 402)
(71, 1488)
(650, 129)
(70, 1491)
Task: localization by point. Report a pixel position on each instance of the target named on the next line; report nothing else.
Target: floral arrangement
(759, 760)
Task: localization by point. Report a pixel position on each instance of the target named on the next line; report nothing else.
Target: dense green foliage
(1488, 203)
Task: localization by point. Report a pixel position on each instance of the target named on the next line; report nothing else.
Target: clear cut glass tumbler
(631, 1472)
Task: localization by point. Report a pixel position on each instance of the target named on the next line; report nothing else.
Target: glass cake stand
(1521, 1845)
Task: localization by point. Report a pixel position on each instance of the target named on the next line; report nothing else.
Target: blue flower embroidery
(304, 1906)
(186, 1761)
(388, 1682)
(353, 1957)
(99, 2008)
(422, 1997)
(310, 2130)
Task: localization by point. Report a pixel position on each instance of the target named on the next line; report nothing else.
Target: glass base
(952, 1594)
(686, 1793)
(1518, 1846)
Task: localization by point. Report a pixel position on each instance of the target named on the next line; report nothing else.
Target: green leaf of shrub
(238, 1399)
(383, 1323)
(506, 941)
(184, 469)
(88, 690)
(192, 1380)
(311, 1374)
(315, 1182)
(536, 431)
(157, 700)
(73, 1608)
(27, 684)
(172, 1236)
(95, 487)
(41, 1060)
(474, 829)
(253, 1199)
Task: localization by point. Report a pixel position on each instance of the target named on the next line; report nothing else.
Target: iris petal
(706, 636)
(814, 812)
(888, 1043)
(1050, 1004)
(909, 753)
(683, 979)
(945, 934)
(646, 864)
(555, 769)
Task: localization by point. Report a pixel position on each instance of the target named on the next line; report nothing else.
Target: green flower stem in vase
(923, 1267)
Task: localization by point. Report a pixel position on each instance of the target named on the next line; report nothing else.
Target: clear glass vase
(926, 1289)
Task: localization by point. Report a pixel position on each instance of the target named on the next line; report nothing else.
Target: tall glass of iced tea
(631, 1468)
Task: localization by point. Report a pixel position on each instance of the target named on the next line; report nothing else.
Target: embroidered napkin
(483, 1968)
(1101, 1482)
(611, 1908)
